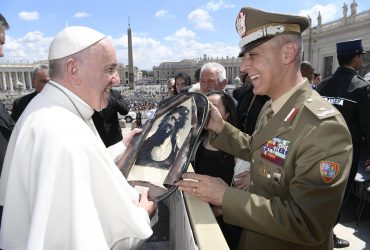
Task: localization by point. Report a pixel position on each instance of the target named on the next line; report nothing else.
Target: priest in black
(39, 77)
(350, 94)
(107, 122)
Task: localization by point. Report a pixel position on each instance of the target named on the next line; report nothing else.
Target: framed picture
(158, 157)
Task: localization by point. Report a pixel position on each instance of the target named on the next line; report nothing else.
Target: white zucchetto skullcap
(72, 40)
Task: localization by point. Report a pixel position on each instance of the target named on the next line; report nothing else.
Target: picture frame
(158, 156)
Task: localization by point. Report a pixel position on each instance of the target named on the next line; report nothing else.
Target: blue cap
(350, 48)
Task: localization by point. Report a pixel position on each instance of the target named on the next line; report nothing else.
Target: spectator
(195, 88)
(212, 77)
(107, 122)
(350, 94)
(316, 80)
(214, 162)
(59, 180)
(170, 86)
(39, 77)
(182, 83)
(300, 152)
(307, 70)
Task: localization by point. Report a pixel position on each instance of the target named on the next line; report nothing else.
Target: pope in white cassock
(60, 187)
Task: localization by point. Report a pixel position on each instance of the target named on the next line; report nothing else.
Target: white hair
(221, 71)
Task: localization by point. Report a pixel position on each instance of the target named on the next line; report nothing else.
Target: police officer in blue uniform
(350, 94)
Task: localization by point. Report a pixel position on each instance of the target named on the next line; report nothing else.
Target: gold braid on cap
(268, 30)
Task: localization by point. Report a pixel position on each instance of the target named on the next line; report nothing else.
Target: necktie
(266, 117)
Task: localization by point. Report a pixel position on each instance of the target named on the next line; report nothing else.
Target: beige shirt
(279, 103)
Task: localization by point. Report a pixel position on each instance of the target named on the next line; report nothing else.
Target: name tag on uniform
(275, 150)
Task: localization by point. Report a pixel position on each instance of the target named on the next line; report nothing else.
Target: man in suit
(350, 94)
(300, 152)
(106, 121)
(6, 123)
(39, 77)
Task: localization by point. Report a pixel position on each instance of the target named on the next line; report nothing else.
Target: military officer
(300, 153)
(350, 94)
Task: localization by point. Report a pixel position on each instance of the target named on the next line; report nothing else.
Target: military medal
(275, 150)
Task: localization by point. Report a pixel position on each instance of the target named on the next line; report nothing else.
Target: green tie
(266, 117)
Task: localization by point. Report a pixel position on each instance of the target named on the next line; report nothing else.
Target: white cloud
(81, 14)
(328, 13)
(31, 47)
(161, 13)
(181, 34)
(201, 19)
(214, 6)
(148, 52)
(29, 15)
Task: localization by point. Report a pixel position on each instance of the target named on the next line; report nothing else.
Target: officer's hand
(215, 122)
(149, 206)
(128, 138)
(207, 188)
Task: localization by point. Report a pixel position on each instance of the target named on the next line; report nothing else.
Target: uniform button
(253, 161)
(251, 183)
(268, 176)
(309, 100)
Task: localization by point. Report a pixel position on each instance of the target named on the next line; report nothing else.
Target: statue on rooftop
(345, 9)
(353, 8)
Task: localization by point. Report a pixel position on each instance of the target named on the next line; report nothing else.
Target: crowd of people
(276, 160)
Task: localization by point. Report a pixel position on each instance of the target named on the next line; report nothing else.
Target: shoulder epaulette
(321, 108)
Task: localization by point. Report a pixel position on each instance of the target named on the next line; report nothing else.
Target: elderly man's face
(41, 78)
(209, 81)
(264, 66)
(100, 74)
(2, 42)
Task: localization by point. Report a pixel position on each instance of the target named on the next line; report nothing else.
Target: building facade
(15, 76)
(167, 70)
(319, 48)
(319, 43)
(124, 74)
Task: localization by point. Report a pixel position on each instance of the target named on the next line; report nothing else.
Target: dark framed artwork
(158, 157)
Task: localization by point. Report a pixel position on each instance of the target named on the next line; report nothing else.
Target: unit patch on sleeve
(328, 170)
(275, 150)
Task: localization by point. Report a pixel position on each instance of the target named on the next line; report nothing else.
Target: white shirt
(60, 187)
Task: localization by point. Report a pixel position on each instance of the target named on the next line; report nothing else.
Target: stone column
(4, 80)
(29, 79)
(23, 79)
(11, 86)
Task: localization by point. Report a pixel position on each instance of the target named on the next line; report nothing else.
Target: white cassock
(60, 186)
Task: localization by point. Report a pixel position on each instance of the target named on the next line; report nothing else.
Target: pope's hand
(128, 138)
(149, 206)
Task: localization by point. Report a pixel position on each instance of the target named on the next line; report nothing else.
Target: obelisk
(131, 80)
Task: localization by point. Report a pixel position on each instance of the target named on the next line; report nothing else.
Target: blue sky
(163, 30)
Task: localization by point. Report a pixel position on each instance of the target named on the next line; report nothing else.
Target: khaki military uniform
(299, 168)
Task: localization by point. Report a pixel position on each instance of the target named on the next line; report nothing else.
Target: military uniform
(299, 168)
